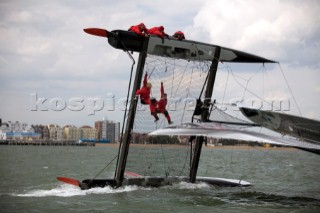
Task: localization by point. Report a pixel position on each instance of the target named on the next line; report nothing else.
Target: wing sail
(228, 131)
(296, 126)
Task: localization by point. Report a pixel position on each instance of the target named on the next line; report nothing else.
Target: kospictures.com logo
(95, 104)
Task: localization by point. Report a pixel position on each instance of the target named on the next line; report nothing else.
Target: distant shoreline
(235, 147)
(241, 147)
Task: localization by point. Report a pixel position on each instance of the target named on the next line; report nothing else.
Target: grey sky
(43, 49)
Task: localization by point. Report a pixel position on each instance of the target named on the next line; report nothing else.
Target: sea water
(283, 180)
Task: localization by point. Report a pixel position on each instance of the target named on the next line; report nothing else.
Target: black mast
(205, 114)
(124, 146)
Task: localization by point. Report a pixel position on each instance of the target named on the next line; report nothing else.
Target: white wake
(65, 190)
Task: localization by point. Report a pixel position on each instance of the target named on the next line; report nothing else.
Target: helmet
(142, 26)
(161, 28)
(179, 35)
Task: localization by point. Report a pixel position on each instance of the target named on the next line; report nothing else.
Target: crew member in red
(139, 29)
(158, 31)
(160, 106)
(144, 92)
(153, 108)
(179, 35)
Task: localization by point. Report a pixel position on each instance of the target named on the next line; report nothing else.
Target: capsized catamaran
(190, 79)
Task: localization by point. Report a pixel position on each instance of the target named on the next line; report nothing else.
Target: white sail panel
(227, 131)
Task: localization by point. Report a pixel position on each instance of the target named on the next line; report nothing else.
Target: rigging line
(252, 93)
(251, 77)
(246, 80)
(149, 76)
(126, 109)
(187, 95)
(178, 86)
(204, 84)
(185, 161)
(243, 95)
(211, 108)
(165, 63)
(102, 169)
(263, 81)
(290, 89)
(206, 80)
(254, 73)
(166, 169)
(171, 91)
(238, 76)
(225, 88)
(184, 71)
(268, 82)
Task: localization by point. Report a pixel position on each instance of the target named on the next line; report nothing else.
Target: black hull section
(158, 181)
(93, 183)
(125, 40)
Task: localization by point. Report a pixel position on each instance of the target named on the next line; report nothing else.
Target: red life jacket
(144, 92)
(162, 105)
(158, 31)
(163, 101)
(136, 29)
(153, 105)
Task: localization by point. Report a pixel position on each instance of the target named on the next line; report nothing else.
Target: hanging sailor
(160, 106)
(144, 92)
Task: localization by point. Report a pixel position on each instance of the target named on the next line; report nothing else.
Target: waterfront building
(55, 132)
(117, 132)
(17, 131)
(3, 135)
(26, 136)
(98, 126)
(108, 130)
(87, 132)
(71, 132)
(42, 130)
(16, 126)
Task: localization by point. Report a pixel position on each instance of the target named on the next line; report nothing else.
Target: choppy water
(283, 181)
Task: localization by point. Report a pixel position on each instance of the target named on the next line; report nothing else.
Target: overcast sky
(44, 53)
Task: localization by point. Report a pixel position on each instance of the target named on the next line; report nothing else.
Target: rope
(125, 112)
(185, 161)
(166, 169)
(182, 79)
(252, 93)
(290, 89)
(225, 88)
(187, 95)
(103, 168)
